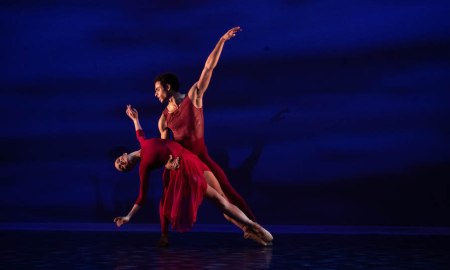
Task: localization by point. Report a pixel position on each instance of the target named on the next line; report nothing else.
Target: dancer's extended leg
(232, 195)
(214, 183)
(235, 213)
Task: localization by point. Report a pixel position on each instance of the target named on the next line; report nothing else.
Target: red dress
(185, 187)
(187, 126)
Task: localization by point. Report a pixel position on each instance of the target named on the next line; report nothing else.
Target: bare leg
(236, 214)
(228, 208)
(212, 182)
(248, 233)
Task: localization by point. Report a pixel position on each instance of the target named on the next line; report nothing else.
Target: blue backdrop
(321, 112)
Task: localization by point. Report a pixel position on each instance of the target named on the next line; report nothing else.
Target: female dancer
(183, 189)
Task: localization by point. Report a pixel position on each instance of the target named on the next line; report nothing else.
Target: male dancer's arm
(198, 89)
(162, 126)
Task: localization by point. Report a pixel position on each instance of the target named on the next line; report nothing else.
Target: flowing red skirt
(183, 192)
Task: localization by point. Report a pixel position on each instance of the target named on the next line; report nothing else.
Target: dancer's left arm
(198, 89)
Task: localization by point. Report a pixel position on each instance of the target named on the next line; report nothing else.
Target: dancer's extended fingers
(231, 33)
(235, 29)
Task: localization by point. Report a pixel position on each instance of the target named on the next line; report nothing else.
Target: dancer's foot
(262, 233)
(163, 241)
(251, 235)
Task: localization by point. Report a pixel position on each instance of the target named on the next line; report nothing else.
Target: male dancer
(184, 117)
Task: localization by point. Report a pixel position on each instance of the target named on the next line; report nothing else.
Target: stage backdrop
(320, 112)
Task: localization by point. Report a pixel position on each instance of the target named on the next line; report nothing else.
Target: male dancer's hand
(231, 33)
(173, 163)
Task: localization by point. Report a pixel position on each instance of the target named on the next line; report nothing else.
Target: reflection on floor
(128, 249)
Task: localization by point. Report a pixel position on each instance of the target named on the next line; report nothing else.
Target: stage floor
(135, 249)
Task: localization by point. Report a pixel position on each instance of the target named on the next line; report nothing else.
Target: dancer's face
(161, 92)
(122, 163)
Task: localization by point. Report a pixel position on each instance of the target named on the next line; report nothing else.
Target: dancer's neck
(174, 101)
(134, 156)
(176, 98)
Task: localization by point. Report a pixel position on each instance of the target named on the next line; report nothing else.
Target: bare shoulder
(193, 92)
(196, 96)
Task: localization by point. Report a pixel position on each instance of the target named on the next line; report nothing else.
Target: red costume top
(187, 126)
(183, 194)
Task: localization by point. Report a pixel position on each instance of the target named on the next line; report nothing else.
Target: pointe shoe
(262, 233)
(251, 235)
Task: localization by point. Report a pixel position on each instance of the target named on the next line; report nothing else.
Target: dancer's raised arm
(198, 89)
(134, 116)
(174, 162)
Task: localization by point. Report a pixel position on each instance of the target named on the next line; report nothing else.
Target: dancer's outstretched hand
(121, 220)
(231, 33)
(132, 112)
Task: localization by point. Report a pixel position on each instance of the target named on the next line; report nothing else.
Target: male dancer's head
(165, 86)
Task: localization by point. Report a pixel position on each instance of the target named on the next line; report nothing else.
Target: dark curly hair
(168, 78)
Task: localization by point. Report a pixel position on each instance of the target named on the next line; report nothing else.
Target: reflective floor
(214, 250)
